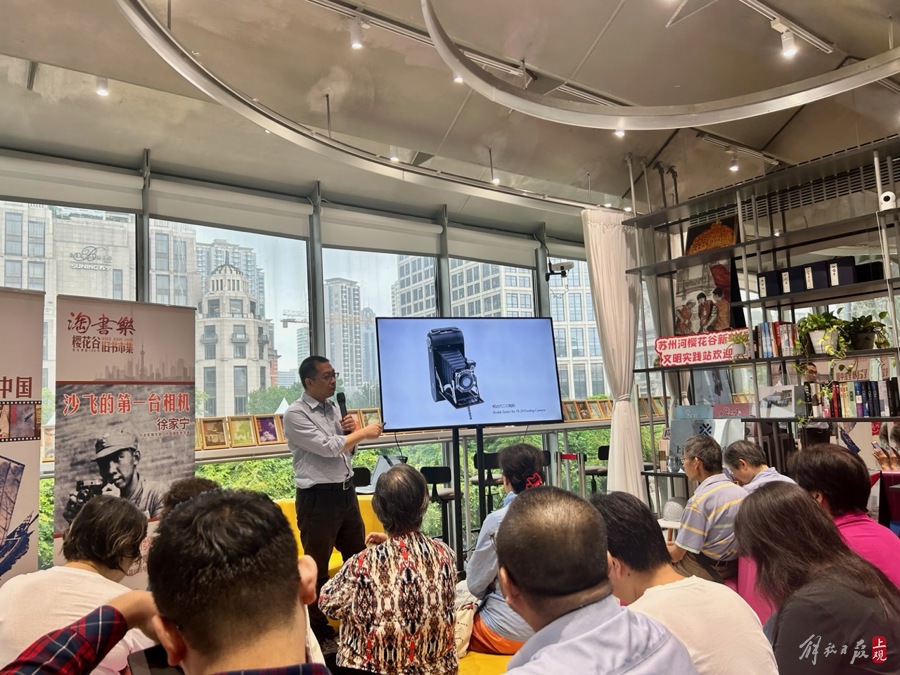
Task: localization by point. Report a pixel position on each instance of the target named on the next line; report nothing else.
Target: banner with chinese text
(124, 402)
(20, 430)
(682, 350)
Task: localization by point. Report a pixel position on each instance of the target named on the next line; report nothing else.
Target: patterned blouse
(395, 602)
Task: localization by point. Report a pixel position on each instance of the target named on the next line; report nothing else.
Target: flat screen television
(440, 373)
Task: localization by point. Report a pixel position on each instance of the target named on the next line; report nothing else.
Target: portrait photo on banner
(703, 292)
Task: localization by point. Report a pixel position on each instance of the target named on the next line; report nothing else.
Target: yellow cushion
(474, 663)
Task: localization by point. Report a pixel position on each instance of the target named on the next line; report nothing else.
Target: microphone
(342, 404)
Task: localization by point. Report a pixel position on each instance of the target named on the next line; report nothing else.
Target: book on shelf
(774, 339)
(857, 398)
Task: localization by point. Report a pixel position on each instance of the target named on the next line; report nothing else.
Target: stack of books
(857, 398)
(775, 339)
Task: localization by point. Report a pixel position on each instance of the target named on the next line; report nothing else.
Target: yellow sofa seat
(474, 663)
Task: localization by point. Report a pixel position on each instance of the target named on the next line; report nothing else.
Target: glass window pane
(12, 274)
(577, 336)
(579, 380)
(360, 285)
(574, 306)
(36, 231)
(36, 276)
(13, 233)
(226, 275)
(564, 382)
(493, 299)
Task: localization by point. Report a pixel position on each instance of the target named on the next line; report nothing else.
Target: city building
(369, 345)
(233, 344)
(343, 329)
(221, 251)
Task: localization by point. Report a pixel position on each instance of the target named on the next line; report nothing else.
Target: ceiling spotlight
(457, 78)
(627, 209)
(356, 41)
(788, 44)
(607, 205)
(267, 131)
(395, 157)
(102, 86)
(620, 133)
(494, 179)
(733, 166)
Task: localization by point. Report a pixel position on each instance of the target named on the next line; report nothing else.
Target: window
(162, 288)
(579, 380)
(574, 275)
(564, 381)
(13, 232)
(577, 337)
(179, 256)
(209, 388)
(240, 351)
(181, 289)
(559, 337)
(524, 300)
(512, 280)
(512, 300)
(35, 275)
(575, 307)
(557, 307)
(598, 379)
(236, 307)
(593, 342)
(12, 275)
(262, 376)
(212, 308)
(35, 238)
(240, 390)
(117, 285)
(161, 252)
(209, 352)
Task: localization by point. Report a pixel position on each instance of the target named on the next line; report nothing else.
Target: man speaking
(322, 442)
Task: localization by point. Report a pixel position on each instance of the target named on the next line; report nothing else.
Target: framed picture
(658, 404)
(357, 415)
(644, 406)
(242, 431)
(584, 412)
(570, 411)
(594, 407)
(268, 430)
(370, 415)
(606, 408)
(198, 433)
(215, 435)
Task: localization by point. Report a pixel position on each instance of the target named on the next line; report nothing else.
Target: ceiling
(289, 54)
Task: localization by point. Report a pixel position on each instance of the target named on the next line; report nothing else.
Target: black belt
(346, 485)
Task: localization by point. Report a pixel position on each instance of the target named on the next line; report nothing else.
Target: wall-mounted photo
(268, 430)
(594, 407)
(215, 435)
(242, 431)
(658, 404)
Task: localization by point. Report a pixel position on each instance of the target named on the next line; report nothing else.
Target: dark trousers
(328, 519)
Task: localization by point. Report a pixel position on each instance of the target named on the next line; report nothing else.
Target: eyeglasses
(327, 376)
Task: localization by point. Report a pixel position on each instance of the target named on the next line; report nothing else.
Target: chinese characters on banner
(20, 430)
(684, 350)
(124, 404)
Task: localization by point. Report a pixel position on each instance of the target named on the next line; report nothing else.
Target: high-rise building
(213, 255)
(414, 292)
(343, 329)
(173, 269)
(369, 346)
(302, 343)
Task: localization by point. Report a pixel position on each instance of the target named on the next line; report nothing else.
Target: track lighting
(457, 78)
(620, 133)
(102, 86)
(395, 156)
(733, 166)
(356, 41)
(788, 44)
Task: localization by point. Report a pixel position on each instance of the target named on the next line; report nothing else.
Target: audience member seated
(229, 590)
(498, 629)
(183, 489)
(553, 571)
(837, 612)
(702, 614)
(99, 546)
(839, 481)
(705, 544)
(395, 600)
(747, 463)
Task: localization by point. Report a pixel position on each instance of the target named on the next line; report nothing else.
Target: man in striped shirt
(705, 546)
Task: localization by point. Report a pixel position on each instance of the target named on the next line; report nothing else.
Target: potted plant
(739, 341)
(867, 332)
(823, 334)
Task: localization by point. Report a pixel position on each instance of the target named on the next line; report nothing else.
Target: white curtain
(610, 248)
